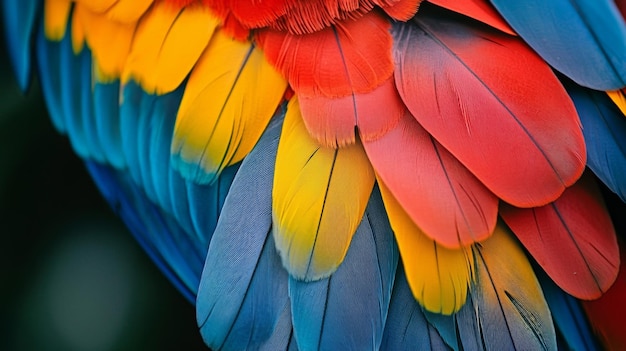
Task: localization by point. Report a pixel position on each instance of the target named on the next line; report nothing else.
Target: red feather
(572, 239)
(403, 10)
(440, 195)
(332, 121)
(350, 57)
(257, 14)
(479, 10)
(606, 315)
(494, 104)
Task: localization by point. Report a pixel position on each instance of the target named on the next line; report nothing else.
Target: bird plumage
(371, 174)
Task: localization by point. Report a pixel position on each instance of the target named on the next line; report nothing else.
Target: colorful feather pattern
(409, 127)
(439, 277)
(455, 208)
(584, 39)
(457, 96)
(166, 45)
(221, 117)
(572, 239)
(319, 197)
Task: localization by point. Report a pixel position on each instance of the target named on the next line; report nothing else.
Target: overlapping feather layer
(457, 119)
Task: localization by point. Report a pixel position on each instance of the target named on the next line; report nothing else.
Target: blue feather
(206, 202)
(49, 61)
(134, 210)
(406, 327)
(568, 315)
(75, 87)
(19, 18)
(583, 39)
(604, 128)
(243, 290)
(347, 311)
(106, 111)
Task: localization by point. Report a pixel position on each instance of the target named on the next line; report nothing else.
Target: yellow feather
(619, 99)
(319, 198)
(438, 277)
(56, 13)
(167, 44)
(100, 32)
(507, 292)
(97, 5)
(128, 11)
(231, 95)
(78, 34)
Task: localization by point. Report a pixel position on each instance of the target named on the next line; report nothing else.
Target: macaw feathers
(222, 116)
(319, 197)
(372, 174)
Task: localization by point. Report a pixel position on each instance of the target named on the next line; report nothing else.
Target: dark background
(72, 277)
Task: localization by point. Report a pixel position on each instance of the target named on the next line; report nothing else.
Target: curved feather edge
(407, 328)
(604, 128)
(106, 112)
(606, 314)
(223, 113)
(243, 290)
(146, 126)
(319, 197)
(455, 209)
(439, 277)
(506, 309)
(48, 60)
(480, 10)
(335, 122)
(348, 310)
(480, 110)
(568, 316)
(591, 37)
(619, 98)
(167, 43)
(149, 227)
(572, 239)
(19, 20)
(351, 57)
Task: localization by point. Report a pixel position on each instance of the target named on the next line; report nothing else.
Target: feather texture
(334, 122)
(591, 37)
(56, 14)
(439, 277)
(222, 114)
(607, 313)
(506, 309)
(604, 128)
(568, 315)
(167, 44)
(319, 198)
(18, 19)
(572, 239)
(99, 32)
(356, 57)
(454, 208)
(48, 59)
(406, 327)
(484, 111)
(480, 10)
(243, 290)
(347, 310)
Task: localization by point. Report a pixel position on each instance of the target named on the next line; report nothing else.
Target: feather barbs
(319, 198)
(222, 113)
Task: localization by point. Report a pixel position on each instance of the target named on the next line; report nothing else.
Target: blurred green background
(72, 277)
